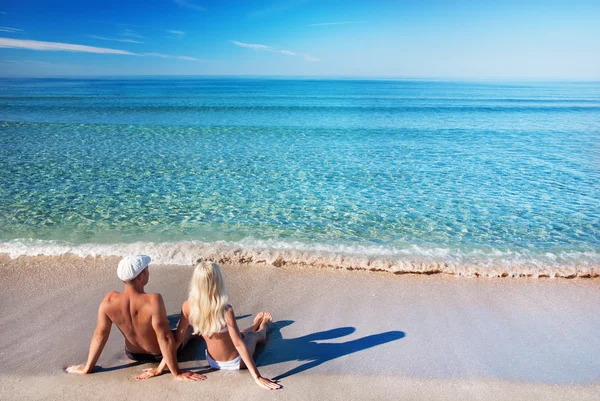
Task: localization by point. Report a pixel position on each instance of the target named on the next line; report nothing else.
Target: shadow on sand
(99, 369)
(306, 348)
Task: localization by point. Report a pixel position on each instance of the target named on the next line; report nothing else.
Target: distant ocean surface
(469, 178)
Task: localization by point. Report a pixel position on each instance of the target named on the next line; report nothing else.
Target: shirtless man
(141, 318)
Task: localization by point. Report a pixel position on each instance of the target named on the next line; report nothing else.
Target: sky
(405, 39)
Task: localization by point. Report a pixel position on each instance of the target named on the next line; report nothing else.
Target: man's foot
(265, 324)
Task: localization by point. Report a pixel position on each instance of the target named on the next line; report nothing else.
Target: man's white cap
(131, 266)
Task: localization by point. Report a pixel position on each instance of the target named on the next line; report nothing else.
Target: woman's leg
(255, 326)
(187, 336)
(259, 336)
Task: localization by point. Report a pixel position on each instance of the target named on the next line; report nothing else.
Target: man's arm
(98, 341)
(167, 344)
(179, 335)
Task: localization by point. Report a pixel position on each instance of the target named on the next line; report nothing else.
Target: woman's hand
(148, 373)
(190, 377)
(267, 383)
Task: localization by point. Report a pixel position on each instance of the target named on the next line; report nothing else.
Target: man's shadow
(306, 348)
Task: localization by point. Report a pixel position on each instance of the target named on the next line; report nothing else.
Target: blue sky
(438, 39)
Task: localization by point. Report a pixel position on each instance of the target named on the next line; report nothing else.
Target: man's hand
(267, 383)
(190, 377)
(148, 373)
(98, 341)
(78, 369)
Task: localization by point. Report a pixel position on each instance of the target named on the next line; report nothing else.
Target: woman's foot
(257, 321)
(256, 325)
(265, 324)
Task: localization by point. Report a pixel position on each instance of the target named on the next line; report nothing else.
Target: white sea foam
(409, 259)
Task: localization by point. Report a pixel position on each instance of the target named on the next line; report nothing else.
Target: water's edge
(411, 260)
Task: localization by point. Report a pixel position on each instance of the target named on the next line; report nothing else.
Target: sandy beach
(336, 334)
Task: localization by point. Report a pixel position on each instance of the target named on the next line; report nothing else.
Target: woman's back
(219, 345)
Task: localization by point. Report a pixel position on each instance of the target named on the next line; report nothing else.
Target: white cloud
(256, 46)
(259, 47)
(56, 46)
(174, 32)
(11, 30)
(172, 57)
(337, 23)
(131, 34)
(189, 4)
(114, 39)
(252, 46)
(186, 58)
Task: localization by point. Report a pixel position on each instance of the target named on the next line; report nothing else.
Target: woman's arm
(238, 343)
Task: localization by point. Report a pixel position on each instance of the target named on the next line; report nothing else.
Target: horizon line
(317, 77)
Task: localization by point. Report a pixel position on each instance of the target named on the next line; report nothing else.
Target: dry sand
(337, 335)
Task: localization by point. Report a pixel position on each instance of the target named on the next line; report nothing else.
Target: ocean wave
(483, 262)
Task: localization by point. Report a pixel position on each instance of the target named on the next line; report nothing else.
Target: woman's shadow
(306, 348)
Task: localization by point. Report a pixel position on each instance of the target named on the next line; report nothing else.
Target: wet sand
(337, 334)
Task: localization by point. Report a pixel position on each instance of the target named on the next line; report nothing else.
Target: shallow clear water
(447, 172)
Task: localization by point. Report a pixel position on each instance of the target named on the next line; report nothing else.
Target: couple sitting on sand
(142, 319)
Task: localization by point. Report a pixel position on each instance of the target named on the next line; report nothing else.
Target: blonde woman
(208, 313)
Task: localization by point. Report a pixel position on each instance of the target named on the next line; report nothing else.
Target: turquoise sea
(470, 178)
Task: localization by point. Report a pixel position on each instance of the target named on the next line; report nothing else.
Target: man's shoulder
(110, 301)
(115, 297)
(111, 297)
(154, 296)
(154, 300)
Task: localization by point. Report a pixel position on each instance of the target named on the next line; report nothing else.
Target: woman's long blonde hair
(207, 299)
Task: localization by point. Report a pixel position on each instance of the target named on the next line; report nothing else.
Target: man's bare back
(141, 318)
(132, 314)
